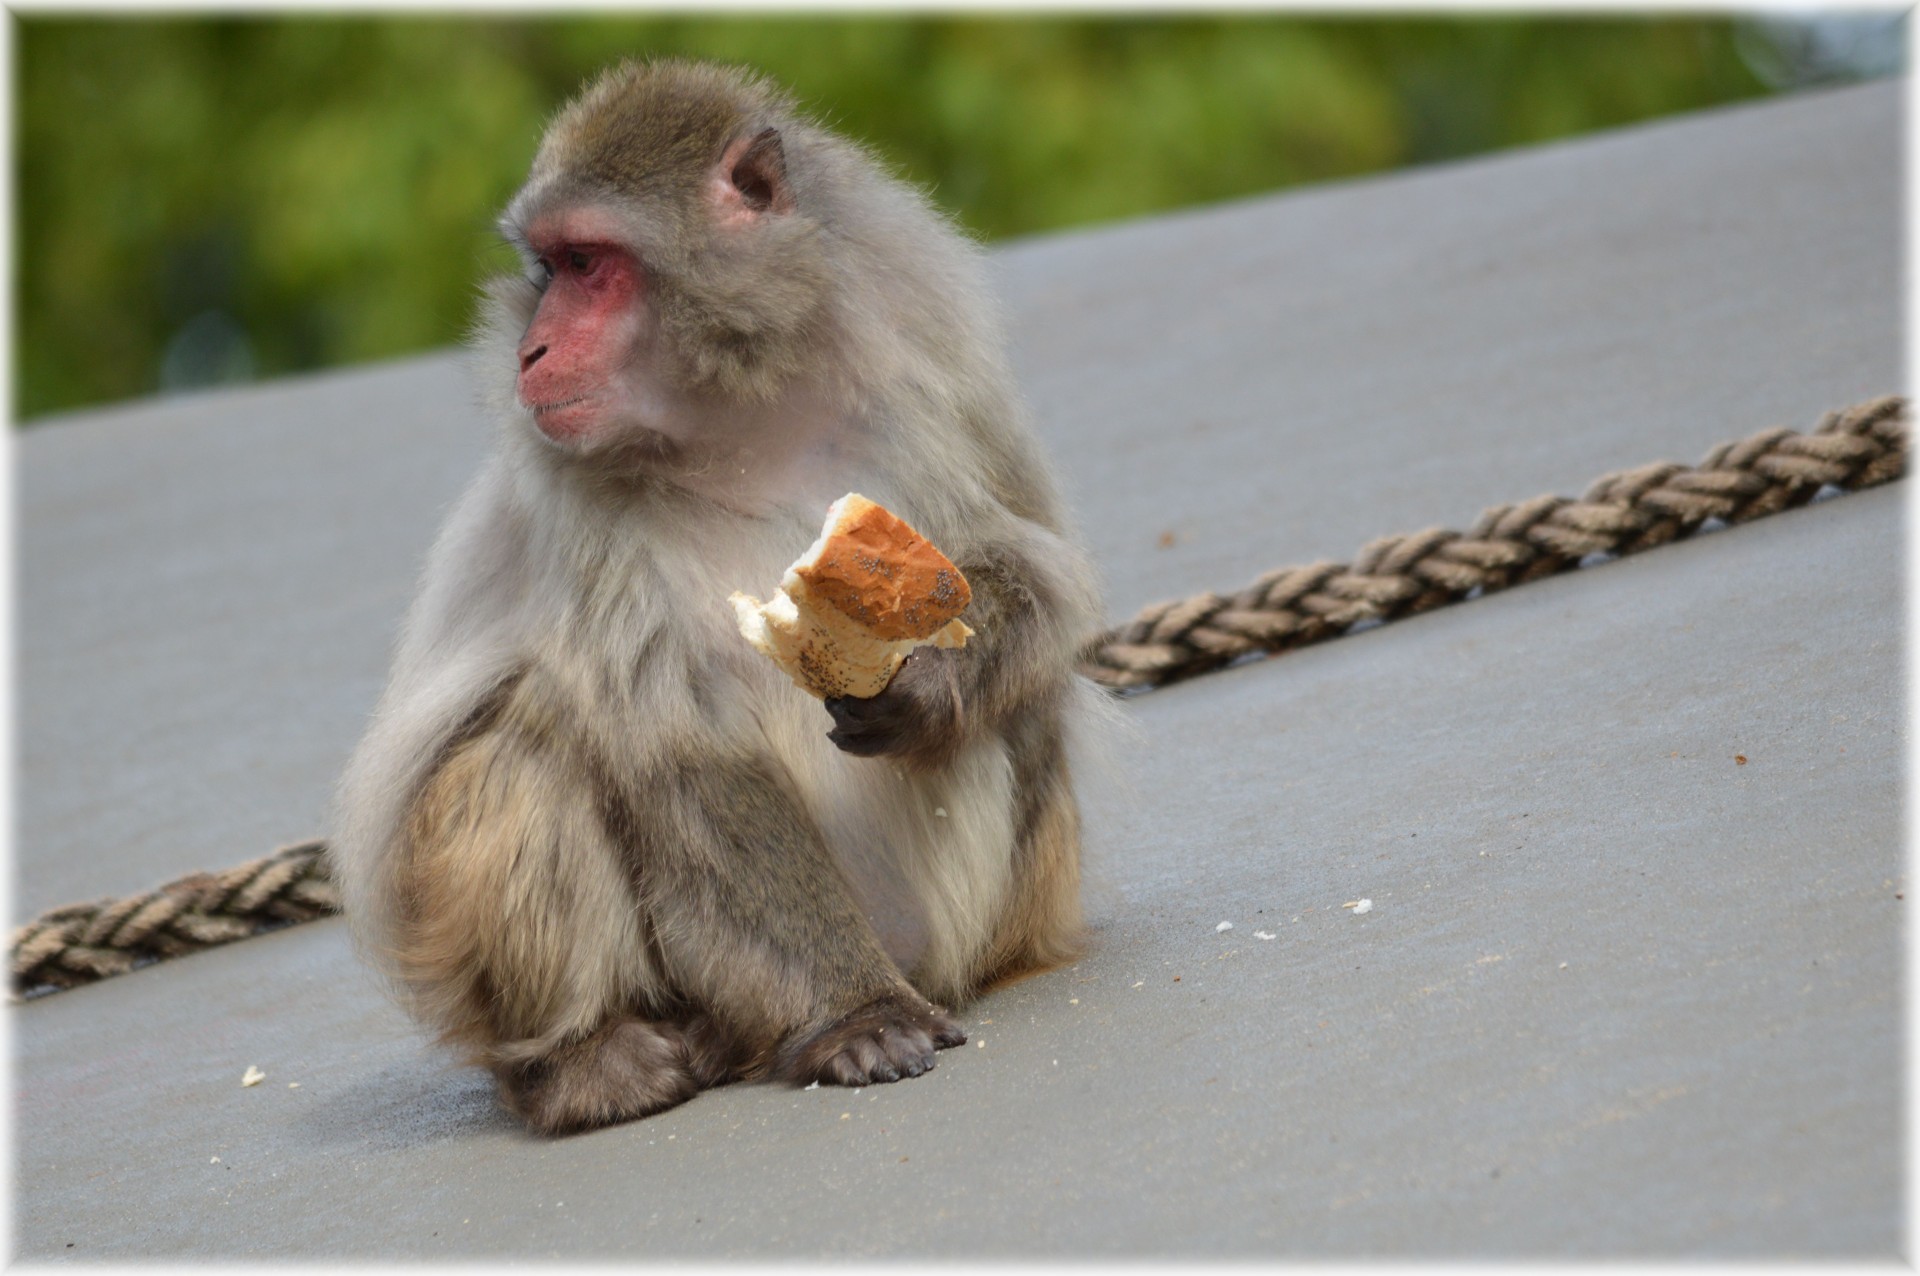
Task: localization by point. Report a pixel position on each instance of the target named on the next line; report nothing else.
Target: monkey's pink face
(584, 335)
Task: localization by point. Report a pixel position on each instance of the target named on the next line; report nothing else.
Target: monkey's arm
(755, 922)
(1031, 608)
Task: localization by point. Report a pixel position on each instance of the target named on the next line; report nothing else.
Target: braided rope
(1622, 513)
(79, 943)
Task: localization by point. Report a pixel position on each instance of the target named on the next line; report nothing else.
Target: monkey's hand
(917, 718)
(891, 1037)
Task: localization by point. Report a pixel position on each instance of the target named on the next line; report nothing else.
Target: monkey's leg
(1040, 924)
(756, 925)
(520, 936)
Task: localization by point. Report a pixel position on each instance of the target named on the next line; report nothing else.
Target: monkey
(592, 839)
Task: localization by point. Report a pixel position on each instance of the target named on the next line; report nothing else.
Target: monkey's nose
(530, 357)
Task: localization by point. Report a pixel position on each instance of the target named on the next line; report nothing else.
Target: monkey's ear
(756, 174)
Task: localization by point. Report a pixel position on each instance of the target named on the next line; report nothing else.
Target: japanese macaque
(595, 839)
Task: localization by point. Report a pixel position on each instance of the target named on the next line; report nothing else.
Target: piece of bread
(848, 611)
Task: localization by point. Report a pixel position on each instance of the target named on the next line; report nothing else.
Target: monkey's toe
(873, 1061)
(887, 1040)
(948, 1034)
(913, 1052)
(865, 1061)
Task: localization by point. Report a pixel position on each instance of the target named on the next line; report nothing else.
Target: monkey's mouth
(564, 420)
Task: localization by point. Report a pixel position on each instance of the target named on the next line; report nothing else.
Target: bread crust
(880, 573)
(866, 593)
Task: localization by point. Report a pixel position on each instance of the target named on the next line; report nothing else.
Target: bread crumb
(940, 811)
(1364, 906)
(1739, 759)
(253, 1076)
(1222, 926)
(1261, 934)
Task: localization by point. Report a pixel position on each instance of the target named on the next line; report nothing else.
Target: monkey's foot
(884, 1040)
(628, 1068)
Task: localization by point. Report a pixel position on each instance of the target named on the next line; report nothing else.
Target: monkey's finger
(860, 742)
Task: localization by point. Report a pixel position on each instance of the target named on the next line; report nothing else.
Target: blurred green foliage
(205, 199)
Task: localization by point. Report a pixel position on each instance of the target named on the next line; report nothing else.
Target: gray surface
(1539, 778)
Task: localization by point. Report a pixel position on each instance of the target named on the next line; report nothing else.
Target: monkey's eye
(580, 262)
(546, 269)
